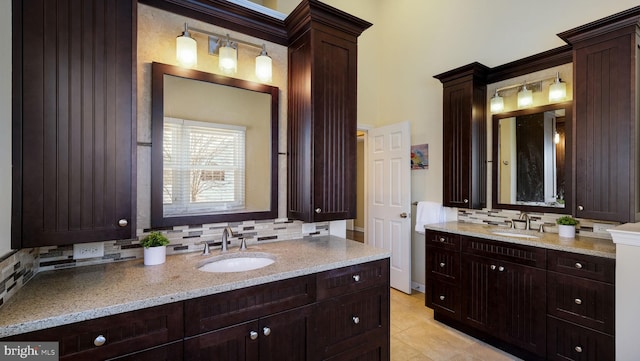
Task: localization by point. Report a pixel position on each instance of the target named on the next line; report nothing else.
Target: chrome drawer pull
(266, 331)
(578, 265)
(442, 264)
(356, 319)
(442, 239)
(100, 340)
(578, 301)
(441, 298)
(578, 349)
(253, 335)
(493, 267)
(356, 278)
(501, 269)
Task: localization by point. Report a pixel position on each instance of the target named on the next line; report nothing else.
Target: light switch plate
(88, 250)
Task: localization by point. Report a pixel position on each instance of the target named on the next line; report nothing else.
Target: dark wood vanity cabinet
(580, 307)
(322, 120)
(605, 60)
(464, 136)
(503, 292)
(74, 154)
(443, 273)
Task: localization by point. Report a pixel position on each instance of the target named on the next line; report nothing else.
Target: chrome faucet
(525, 217)
(225, 235)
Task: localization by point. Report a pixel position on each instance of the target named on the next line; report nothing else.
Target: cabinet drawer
(595, 268)
(444, 240)
(567, 341)
(216, 311)
(443, 297)
(169, 352)
(124, 333)
(442, 264)
(351, 320)
(516, 253)
(585, 302)
(353, 278)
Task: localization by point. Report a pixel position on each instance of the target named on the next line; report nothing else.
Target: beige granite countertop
(61, 297)
(583, 245)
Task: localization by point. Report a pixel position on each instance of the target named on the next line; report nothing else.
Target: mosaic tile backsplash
(21, 266)
(500, 217)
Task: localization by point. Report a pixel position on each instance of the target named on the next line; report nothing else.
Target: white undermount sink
(514, 234)
(236, 262)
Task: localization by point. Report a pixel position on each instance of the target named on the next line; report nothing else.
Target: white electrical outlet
(601, 227)
(88, 250)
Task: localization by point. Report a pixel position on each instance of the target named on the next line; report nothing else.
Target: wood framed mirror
(532, 159)
(214, 154)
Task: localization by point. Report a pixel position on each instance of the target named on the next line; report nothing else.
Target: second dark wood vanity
(534, 302)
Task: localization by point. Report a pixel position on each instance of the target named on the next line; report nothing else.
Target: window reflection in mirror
(214, 150)
(530, 159)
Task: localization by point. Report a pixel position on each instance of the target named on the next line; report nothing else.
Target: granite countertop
(583, 245)
(61, 297)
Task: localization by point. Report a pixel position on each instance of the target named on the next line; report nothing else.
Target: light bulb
(186, 49)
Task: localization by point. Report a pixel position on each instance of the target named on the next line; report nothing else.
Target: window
(203, 167)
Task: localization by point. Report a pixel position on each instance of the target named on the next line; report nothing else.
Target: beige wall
(5, 127)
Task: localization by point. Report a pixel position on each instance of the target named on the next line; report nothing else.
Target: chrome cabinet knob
(266, 331)
(356, 319)
(123, 222)
(253, 335)
(580, 208)
(466, 200)
(578, 265)
(578, 301)
(442, 239)
(318, 210)
(100, 340)
(493, 267)
(578, 349)
(501, 269)
(442, 264)
(356, 278)
(442, 298)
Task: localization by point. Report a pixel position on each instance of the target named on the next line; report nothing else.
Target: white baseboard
(417, 286)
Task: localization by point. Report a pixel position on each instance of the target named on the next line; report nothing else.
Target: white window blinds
(204, 167)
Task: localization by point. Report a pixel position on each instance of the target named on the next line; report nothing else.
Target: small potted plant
(567, 226)
(155, 248)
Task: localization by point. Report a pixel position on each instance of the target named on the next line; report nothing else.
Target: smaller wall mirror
(532, 160)
(214, 148)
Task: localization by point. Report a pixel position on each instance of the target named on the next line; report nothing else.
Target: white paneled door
(389, 198)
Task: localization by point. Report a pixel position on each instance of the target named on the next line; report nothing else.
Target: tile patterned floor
(416, 336)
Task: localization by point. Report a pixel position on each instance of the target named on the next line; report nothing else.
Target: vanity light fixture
(227, 50)
(228, 57)
(497, 103)
(263, 65)
(557, 90)
(186, 49)
(556, 138)
(525, 97)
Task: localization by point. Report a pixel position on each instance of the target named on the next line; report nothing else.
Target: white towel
(428, 213)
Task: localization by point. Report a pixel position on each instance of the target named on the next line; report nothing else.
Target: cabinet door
(605, 129)
(287, 336)
(76, 74)
(520, 306)
(234, 343)
(478, 290)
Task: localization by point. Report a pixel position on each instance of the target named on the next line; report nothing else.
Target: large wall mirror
(214, 148)
(532, 160)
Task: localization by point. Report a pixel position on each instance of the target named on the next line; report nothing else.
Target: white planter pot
(155, 255)
(566, 231)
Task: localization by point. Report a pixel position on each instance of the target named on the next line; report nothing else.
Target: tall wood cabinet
(73, 148)
(322, 112)
(464, 136)
(606, 62)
